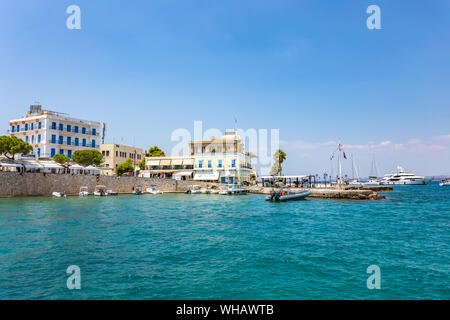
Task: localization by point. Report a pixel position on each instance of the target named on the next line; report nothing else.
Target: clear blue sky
(309, 68)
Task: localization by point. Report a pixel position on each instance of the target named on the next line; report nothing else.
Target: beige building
(220, 160)
(115, 154)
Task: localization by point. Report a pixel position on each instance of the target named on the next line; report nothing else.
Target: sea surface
(177, 246)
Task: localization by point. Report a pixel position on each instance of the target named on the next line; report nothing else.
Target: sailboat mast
(340, 161)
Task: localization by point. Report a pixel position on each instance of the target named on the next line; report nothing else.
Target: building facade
(220, 160)
(51, 133)
(115, 154)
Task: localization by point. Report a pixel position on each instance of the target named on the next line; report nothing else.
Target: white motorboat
(59, 194)
(111, 193)
(84, 192)
(287, 195)
(403, 178)
(195, 189)
(373, 181)
(233, 189)
(205, 190)
(445, 183)
(100, 191)
(153, 190)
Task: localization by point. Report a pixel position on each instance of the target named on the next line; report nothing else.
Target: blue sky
(309, 68)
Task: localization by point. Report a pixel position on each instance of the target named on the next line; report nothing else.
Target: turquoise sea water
(177, 246)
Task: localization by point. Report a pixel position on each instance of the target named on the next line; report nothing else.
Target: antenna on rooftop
(103, 133)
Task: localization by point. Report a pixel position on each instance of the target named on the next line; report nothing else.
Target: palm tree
(325, 175)
(279, 158)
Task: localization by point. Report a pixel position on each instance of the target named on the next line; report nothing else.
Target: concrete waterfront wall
(13, 184)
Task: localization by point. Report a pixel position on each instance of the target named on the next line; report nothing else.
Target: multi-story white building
(221, 160)
(53, 133)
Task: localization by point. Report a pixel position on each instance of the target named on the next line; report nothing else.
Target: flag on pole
(345, 156)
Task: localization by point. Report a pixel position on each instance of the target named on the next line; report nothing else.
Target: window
(69, 128)
(220, 163)
(107, 153)
(61, 151)
(26, 139)
(200, 164)
(13, 128)
(93, 143)
(117, 153)
(203, 149)
(53, 125)
(39, 152)
(233, 163)
(53, 138)
(32, 126)
(84, 143)
(61, 127)
(60, 139)
(53, 152)
(69, 153)
(26, 126)
(69, 141)
(94, 132)
(39, 125)
(76, 141)
(75, 129)
(39, 138)
(32, 139)
(18, 128)
(83, 130)
(209, 164)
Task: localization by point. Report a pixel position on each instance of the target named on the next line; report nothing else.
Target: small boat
(373, 181)
(445, 183)
(100, 191)
(205, 190)
(288, 195)
(59, 194)
(137, 191)
(195, 189)
(84, 192)
(153, 190)
(111, 193)
(233, 189)
(215, 190)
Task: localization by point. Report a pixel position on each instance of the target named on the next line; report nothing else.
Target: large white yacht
(403, 178)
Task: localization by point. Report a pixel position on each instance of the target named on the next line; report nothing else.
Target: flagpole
(340, 161)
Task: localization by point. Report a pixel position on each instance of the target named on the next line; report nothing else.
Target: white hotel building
(53, 133)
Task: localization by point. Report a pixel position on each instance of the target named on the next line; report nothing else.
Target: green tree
(60, 158)
(278, 159)
(125, 167)
(10, 146)
(88, 157)
(142, 164)
(155, 151)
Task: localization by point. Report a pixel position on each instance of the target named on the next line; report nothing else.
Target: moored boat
(233, 189)
(403, 178)
(84, 192)
(287, 195)
(445, 183)
(57, 194)
(100, 191)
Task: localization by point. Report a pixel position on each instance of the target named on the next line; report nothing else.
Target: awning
(50, 165)
(207, 176)
(31, 165)
(153, 162)
(165, 162)
(11, 165)
(183, 173)
(177, 162)
(76, 167)
(188, 162)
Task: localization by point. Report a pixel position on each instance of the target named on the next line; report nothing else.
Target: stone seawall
(37, 184)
